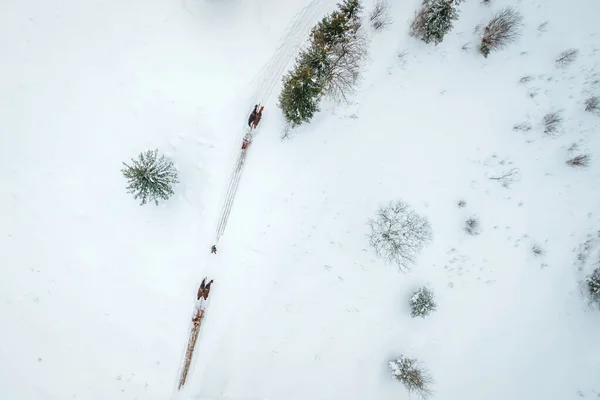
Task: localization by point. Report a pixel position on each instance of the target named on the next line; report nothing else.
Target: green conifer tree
(438, 19)
(150, 178)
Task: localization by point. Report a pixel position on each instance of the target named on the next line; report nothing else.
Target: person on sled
(258, 116)
(252, 115)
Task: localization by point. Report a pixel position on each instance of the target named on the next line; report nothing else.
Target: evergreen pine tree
(299, 98)
(150, 178)
(438, 18)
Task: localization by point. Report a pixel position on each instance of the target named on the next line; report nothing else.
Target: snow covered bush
(398, 233)
(422, 303)
(592, 104)
(582, 160)
(472, 226)
(412, 375)
(434, 20)
(150, 178)
(380, 15)
(330, 66)
(503, 29)
(592, 287)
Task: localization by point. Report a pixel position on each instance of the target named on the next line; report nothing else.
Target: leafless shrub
(523, 126)
(466, 46)
(503, 29)
(380, 16)
(526, 79)
(537, 250)
(398, 233)
(566, 58)
(592, 104)
(472, 226)
(507, 178)
(551, 122)
(582, 160)
(461, 203)
(418, 25)
(592, 287)
(415, 378)
(543, 26)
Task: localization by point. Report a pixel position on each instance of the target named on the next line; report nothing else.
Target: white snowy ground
(96, 292)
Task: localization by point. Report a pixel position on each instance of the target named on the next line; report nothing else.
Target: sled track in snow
(265, 83)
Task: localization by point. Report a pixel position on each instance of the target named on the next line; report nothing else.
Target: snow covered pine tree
(435, 19)
(422, 303)
(150, 178)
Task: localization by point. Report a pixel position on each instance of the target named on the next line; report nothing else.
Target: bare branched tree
(551, 122)
(592, 104)
(566, 58)
(503, 29)
(380, 16)
(507, 178)
(415, 378)
(398, 234)
(582, 160)
(417, 26)
(344, 68)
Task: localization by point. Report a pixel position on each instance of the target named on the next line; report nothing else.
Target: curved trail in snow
(265, 83)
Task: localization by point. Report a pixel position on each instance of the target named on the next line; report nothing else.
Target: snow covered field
(96, 292)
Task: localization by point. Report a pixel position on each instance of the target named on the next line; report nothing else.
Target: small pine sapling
(422, 303)
(150, 178)
(415, 378)
(503, 29)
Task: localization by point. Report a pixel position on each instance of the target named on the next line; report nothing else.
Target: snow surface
(97, 293)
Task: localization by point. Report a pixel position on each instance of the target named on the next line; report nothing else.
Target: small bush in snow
(414, 377)
(592, 287)
(398, 233)
(472, 226)
(592, 104)
(566, 58)
(380, 15)
(434, 20)
(582, 160)
(551, 122)
(461, 203)
(150, 178)
(422, 303)
(523, 126)
(537, 250)
(503, 29)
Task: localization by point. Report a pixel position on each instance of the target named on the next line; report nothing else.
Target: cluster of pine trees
(330, 65)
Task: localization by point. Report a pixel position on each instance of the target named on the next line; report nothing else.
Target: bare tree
(582, 160)
(415, 378)
(523, 126)
(592, 104)
(398, 234)
(417, 26)
(551, 122)
(507, 178)
(344, 67)
(503, 29)
(566, 58)
(380, 16)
